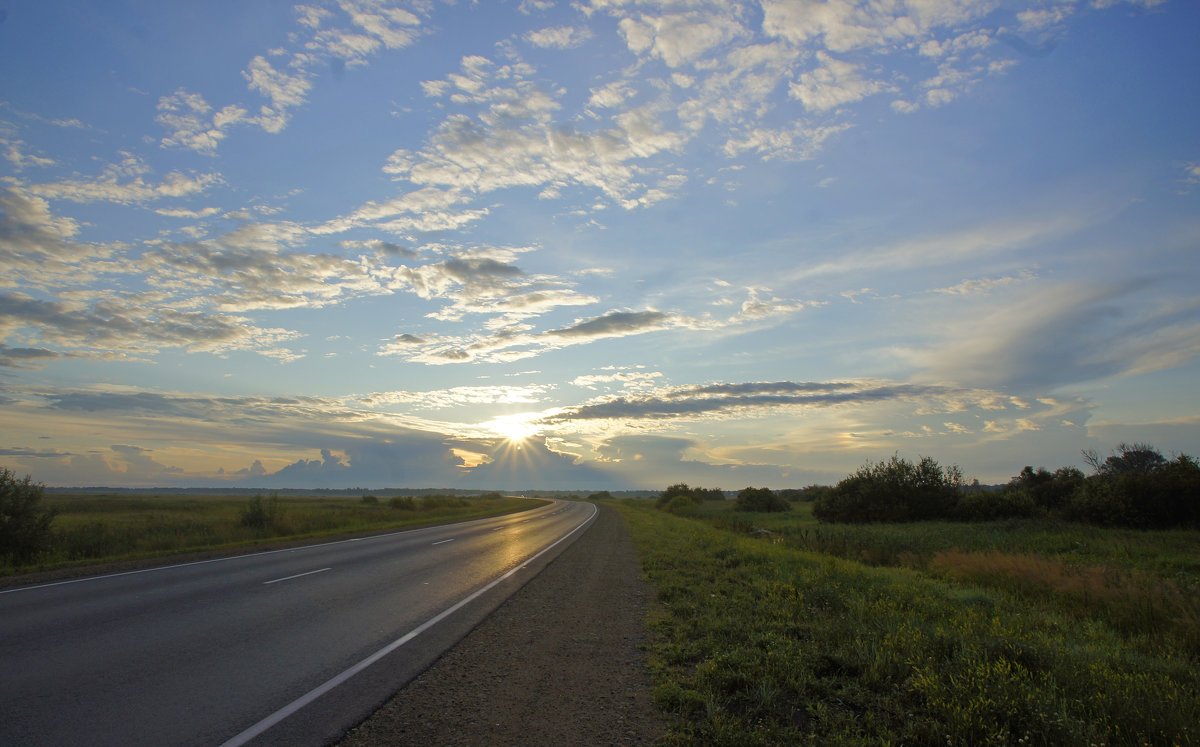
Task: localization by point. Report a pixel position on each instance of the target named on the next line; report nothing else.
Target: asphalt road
(285, 647)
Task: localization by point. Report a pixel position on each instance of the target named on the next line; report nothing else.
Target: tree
(1137, 458)
(678, 490)
(1046, 490)
(895, 490)
(1137, 486)
(24, 524)
(760, 499)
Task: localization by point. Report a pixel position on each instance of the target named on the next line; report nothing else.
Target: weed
(764, 643)
(96, 528)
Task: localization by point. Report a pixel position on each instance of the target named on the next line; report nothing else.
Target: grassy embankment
(946, 633)
(103, 528)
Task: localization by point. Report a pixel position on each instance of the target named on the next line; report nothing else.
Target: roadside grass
(92, 528)
(1143, 583)
(760, 639)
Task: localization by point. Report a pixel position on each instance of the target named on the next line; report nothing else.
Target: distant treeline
(1136, 486)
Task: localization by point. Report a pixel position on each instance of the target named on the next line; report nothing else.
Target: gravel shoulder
(560, 662)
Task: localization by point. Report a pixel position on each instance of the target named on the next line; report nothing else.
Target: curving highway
(284, 647)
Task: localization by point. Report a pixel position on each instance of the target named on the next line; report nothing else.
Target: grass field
(91, 528)
(774, 629)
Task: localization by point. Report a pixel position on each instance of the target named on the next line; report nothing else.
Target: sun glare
(515, 429)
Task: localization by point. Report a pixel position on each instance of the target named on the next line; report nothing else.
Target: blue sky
(599, 244)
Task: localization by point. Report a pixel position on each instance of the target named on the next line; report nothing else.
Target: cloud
(372, 26)
(26, 357)
(1191, 172)
(14, 153)
(423, 210)
(35, 453)
(185, 116)
(207, 212)
(973, 286)
(755, 307)
(614, 324)
(121, 325)
(611, 95)
(796, 143)
(658, 461)
(246, 269)
(559, 37)
(627, 379)
(460, 396)
(844, 25)
(37, 248)
(510, 344)
(513, 142)
(124, 184)
(728, 400)
(1063, 334)
(834, 83)
(971, 243)
(484, 281)
(292, 442)
(679, 38)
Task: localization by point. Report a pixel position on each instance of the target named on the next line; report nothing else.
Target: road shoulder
(560, 662)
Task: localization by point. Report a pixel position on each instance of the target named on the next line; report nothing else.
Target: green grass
(103, 528)
(762, 639)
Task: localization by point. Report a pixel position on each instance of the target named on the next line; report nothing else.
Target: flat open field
(102, 528)
(775, 629)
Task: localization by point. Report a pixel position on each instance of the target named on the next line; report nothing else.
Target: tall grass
(100, 528)
(1144, 583)
(765, 642)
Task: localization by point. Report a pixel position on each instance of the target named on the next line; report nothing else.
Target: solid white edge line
(235, 557)
(304, 700)
(298, 575)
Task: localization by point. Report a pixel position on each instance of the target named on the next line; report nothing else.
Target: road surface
(284, 647)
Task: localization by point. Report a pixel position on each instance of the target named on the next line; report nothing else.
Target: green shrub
(1009, 503)
(760, 499)
(681, 505)
(259, 515)
(895, 490)
(405, 503)
(369, 500)
(1138, 487)
(683, 492)
(24, 524)
(431, 502)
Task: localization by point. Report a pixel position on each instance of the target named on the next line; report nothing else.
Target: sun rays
(515, 430)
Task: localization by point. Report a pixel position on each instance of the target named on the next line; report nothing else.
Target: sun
(516, 430)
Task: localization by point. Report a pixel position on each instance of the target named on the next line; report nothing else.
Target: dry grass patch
(1134, 602)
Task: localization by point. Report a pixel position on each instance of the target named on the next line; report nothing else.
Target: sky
(593, 245)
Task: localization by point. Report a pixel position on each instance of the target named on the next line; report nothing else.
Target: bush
(978, 505)
(369, 500)
(435, 502)
(760, 499)
(260, 515)
(24, 524)
(1140, 492)
(895, 490)
(685, 493)
(678, 490)
(404, 504)
(1045, 490)
(812, 493)
(681, 505)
